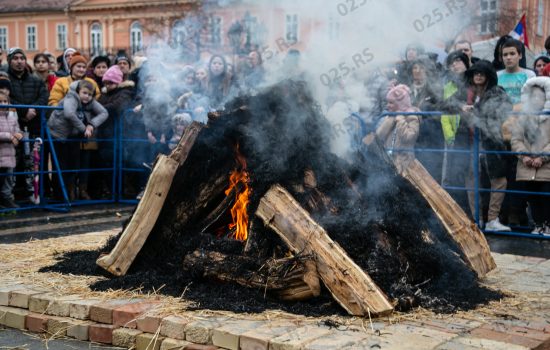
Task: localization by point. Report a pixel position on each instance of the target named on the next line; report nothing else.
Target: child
(180, 122)
(81, 116)
(10, 134)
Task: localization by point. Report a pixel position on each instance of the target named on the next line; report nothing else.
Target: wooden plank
(118, 261)
(463, 231)
(348, 283)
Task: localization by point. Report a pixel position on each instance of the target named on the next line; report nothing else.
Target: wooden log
(463, 231)
(289, 279)
(348, 283)
(118, 261)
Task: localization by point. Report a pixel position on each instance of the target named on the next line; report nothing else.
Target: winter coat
(28, 90)
(454, 125)
(8, 127)
(399, 132)
(490, 112)
(116, 102)
(72, 120)
(61, 88)
(532, 134)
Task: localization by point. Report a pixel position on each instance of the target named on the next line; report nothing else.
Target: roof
(33, 5)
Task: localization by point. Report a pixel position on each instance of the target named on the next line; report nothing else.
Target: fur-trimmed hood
(527, 89)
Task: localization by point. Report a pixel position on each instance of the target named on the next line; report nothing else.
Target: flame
(239, 212)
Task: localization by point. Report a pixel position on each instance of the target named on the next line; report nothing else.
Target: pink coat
(8, 127)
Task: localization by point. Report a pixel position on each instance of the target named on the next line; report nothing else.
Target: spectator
(412, 53)
(219, 81)
(466, 47)
(532, 136)
(201, 76)
(98, 67)
(255, 73)
(116, 98)
(125, 64)
(498, 63)
(490, 104)
(65, 70)
(512, 77)
(180, 122)
(456, 126)
(52, 62)
(425, 95)
(27, 89)
(10, 135)
(399, 132)
(77, 72)
(540, 63)
(546, 71)
(42, 70)
(80, 117)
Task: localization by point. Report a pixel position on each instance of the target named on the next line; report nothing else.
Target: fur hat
(78, 58)
(13, 51)
(457, 55)
(113, 74)
(400, 95)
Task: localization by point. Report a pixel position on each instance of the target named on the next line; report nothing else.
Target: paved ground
(17, 340)
(521, 321)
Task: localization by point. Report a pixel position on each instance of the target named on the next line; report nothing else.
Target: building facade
(231, 27)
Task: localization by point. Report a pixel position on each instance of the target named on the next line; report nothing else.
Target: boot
(83, 192)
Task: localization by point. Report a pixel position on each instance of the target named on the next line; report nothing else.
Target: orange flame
(239, 212)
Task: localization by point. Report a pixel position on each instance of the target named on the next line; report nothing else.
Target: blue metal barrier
(48, 141)
(475, 153)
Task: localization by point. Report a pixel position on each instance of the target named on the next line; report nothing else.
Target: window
(333, 29)
(31, 38)
(215, 30)
(540, 18)
(291, 34)
(61, 36)
(4, 38)
(136, 37)
(179, 33)
(488, 14)
(96, 39)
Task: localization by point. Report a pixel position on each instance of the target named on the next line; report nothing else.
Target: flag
(520, 31)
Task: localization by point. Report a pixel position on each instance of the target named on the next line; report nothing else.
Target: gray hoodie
(71, 121)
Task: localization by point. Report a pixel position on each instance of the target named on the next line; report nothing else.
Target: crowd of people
(507, 102)
(94, 96)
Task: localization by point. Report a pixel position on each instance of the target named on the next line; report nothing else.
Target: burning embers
(238, 181)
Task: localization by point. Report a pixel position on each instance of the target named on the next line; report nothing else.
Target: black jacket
(28, 90)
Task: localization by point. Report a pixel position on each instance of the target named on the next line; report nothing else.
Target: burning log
(130, 243)
(348, 283)
(289, 279)
(461, 229)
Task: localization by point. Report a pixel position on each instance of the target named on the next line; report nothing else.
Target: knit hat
(457, 55)
(123, 58)
(13, 51)
(400, 96)
(113, 74)
(78, 58)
